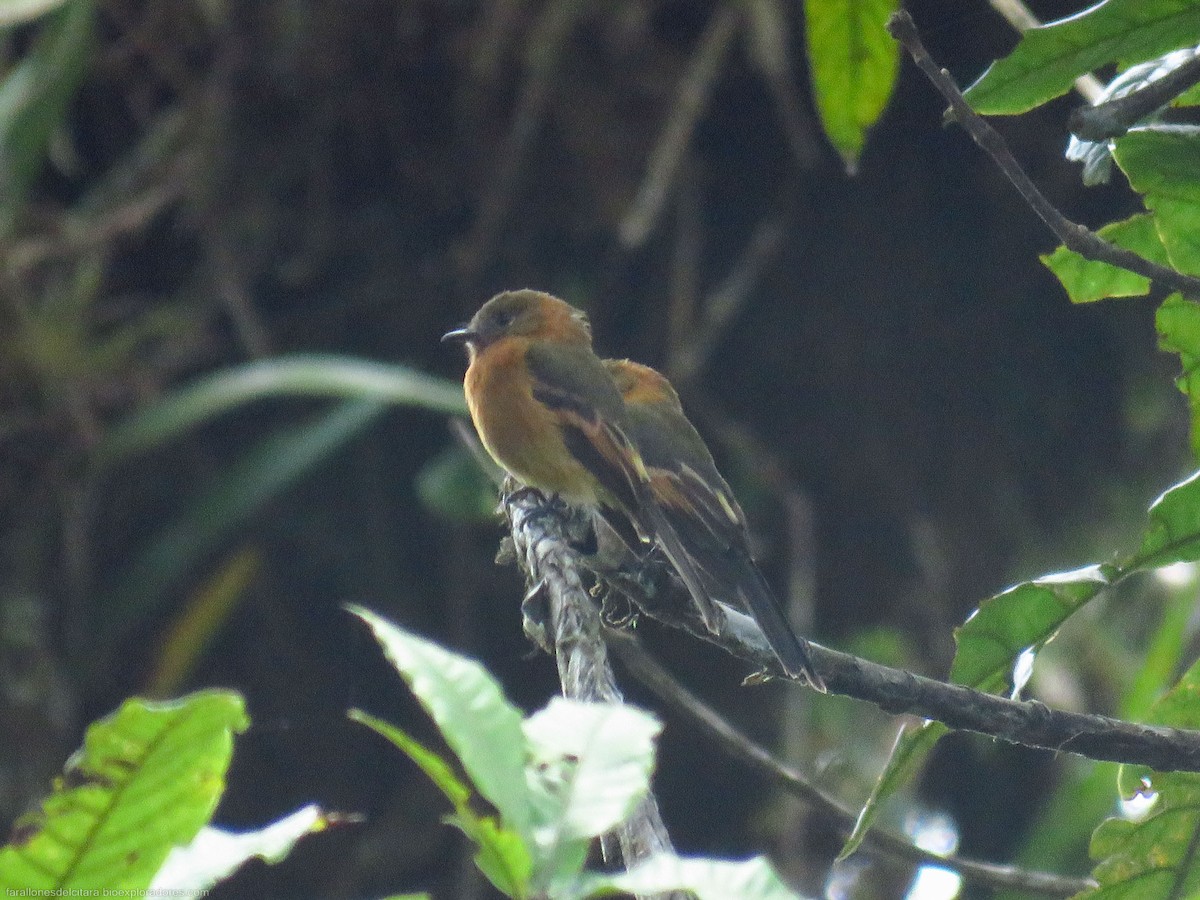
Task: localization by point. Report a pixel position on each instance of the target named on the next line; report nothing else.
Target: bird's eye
(504, 318)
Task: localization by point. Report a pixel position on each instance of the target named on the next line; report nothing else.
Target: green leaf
(707, 879)
(1163, 165)
(1178, 325)
(35, 97)
(1048, 59)
(147, 779)
(226, 503)
(300, 375)
(215, 854)
(16, 12)
(479, 724)
(1154, 857)
(589, 765)
(1021, 618)
(1086, 280)
(1174, 532)
(853, 63)
(912, 747)
(501, 853)
(453, 485)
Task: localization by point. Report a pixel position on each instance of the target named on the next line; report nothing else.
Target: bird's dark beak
(459, 335)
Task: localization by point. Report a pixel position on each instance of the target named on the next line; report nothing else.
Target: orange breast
(520, 433)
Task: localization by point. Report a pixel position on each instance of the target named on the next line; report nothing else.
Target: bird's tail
(791, 649)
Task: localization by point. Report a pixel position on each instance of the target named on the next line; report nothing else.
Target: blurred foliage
(232, 232)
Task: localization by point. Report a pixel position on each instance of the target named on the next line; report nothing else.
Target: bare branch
(1084, 242)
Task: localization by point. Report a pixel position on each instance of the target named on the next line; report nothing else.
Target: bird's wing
(573, 383)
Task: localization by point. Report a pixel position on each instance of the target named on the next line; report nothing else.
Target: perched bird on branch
(548, 411)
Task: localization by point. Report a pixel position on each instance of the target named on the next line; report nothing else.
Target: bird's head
(529, 314)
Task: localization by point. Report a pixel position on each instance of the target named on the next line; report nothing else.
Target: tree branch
(1084, 242)
(648, 671)
(649, 585)
(569, 627)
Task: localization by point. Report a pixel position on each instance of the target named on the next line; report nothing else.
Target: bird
(702, 508)
(548, 411)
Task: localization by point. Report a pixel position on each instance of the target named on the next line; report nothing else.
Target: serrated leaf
(470, 709)
(707, 879)
(214, 854)
(147, 779)
(1153, 858)
(1164, 166)
(853, 63)
(1049, 58)
(1086, 280)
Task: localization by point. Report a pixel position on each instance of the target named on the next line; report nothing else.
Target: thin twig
(733, 742)
(1084, 242)
(1019, 16)
(694, 91)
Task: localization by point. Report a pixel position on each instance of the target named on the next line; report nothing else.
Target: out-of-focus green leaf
(913, 744)
(14, 12)
(34, 98)
(227, 503)
(214, 854)
(302, 375)
(1164, 166)
(501, 853)
(1178, 325)
(453, 486)
(1049, 58)
(707, 879)
(853, 61)
(470, 709)
(1086, 280)
(1154, 857)
(147, 779)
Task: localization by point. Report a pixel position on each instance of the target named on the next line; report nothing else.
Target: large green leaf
(1164, 166)
(1087, 280)
(147, 779)
(853, 63)
(1049, 58)
(479, 724)
(34, 98)
(1154, 857)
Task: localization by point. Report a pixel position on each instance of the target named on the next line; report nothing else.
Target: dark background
(910, 409)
